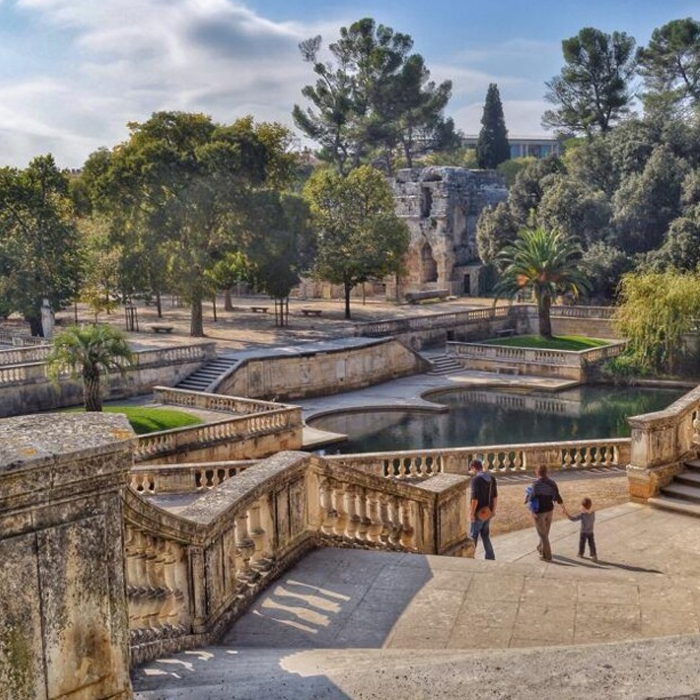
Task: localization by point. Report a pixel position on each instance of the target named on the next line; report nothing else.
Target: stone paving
(646, 584)
(358, 624)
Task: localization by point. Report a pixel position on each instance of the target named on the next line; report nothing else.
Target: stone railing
(21, 341)
(184, 478)
(225, 433)
(506, 459)
(190, 576)
(22, 355)
(567, 364)
(661, 442)
(212, 402)
(411, 324)
(28, 364)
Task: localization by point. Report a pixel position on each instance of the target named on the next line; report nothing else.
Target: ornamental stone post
(63, 610)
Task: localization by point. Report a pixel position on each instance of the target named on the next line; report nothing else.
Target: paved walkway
(417, 611)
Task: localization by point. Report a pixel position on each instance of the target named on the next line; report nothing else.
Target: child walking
(587, 518)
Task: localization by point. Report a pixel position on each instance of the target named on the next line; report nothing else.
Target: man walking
(544, 492)
(484, 496)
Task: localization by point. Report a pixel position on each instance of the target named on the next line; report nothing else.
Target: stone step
(208, 373)
(676, 505)
(693, 464)
(682, 491)
(690, 478)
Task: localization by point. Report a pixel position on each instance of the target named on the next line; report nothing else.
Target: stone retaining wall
(322, 373)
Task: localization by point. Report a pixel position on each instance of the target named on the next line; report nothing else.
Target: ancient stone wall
(63, 612)
(441, 206)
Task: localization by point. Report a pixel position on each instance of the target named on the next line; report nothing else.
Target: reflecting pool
(492, 417)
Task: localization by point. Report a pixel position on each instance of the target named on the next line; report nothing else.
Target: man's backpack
(532, 501)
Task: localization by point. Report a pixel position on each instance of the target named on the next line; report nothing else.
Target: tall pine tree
(492, 147)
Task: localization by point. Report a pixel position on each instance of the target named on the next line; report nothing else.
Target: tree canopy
(374, 100)
(359, 235)
(592, 92)
(40, 251)
(546, 262)
(492, 147)
(670, 68)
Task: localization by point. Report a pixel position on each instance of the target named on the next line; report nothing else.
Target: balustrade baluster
(363, 522)
(375, 528)
(245, 547)
(341, 522)
(395, 523)
(351, 509)
(407, 530)
(329, 513)
(385, 519)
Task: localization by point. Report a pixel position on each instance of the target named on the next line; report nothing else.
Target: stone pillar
(47, 319)
(63, 610)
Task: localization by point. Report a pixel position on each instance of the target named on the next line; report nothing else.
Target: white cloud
(129, 58)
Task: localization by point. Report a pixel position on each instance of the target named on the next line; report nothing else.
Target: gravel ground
(513, 514)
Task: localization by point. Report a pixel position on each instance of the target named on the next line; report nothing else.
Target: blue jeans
(481, 527)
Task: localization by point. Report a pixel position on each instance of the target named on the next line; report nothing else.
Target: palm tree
(88, 352)
(545, 261)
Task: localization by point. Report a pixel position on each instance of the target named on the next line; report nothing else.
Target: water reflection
(489, 417)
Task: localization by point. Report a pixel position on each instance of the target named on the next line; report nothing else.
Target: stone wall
(308, 374)
(441, 206)
(26, 388)
(63, 625)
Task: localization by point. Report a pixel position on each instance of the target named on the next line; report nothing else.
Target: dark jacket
(547, 492)
(481, 483)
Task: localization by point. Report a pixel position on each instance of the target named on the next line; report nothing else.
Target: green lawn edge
(152, 420)
(559, 342)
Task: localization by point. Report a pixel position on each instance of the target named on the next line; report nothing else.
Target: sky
(74, 73)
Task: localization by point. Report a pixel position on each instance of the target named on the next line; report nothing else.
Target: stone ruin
(441, 206)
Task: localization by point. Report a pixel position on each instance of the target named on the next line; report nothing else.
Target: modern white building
(524, 146)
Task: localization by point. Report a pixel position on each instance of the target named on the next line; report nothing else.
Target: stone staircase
(444, 364)
(208, 373)
(682, 495)
(346, 623)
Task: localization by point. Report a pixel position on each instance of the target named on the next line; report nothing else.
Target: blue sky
(74, 72)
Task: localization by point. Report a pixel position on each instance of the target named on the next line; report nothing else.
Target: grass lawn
(558, 342)
(150, 420)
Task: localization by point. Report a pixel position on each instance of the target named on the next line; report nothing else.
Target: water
(490, 417)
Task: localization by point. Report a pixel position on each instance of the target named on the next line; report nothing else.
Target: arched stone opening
(428, 264)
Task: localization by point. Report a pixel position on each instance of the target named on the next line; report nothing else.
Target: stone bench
(162, 329)
(311, 312)
(417, 297)
(505, 332)
(259, 309)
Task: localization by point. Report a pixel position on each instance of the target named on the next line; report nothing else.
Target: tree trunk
(228, 306)
(35, 326)
(159, 304)
(92, 394)
(213, 307)
(544, 303)
(196, 318)
(348, 289)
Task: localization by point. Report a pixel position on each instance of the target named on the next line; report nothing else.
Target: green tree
(492, 147)
(89, 352)
(495, 229)
(189, 180)
(655, 310)
(359, 235)
(374, 97)
(511, 167)
(670, 67)
(605, 265)
(545, 262)
(530, 184)
(40, 251)
(592, 92)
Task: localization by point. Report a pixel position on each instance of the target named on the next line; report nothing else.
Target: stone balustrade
(21, 341)
(398, 326)
(190, 576)
(227, 437)
(212, 402)
(184, 478)
(661, 442)
(22, 355)
(180, 354)
(566, 364)
(504, 459)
